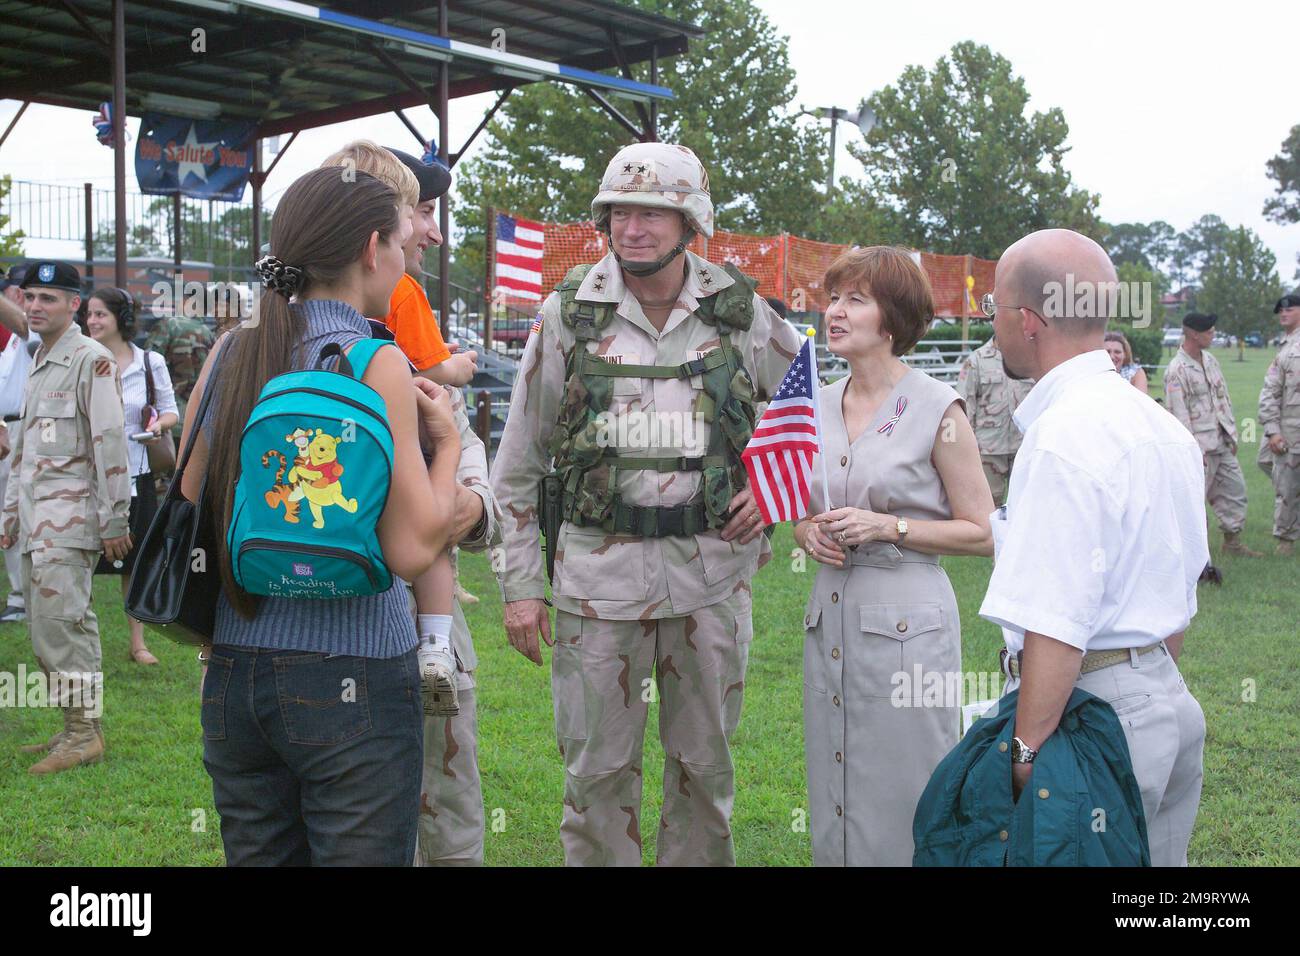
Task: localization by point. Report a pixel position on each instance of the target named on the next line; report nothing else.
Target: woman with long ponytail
(312, 719)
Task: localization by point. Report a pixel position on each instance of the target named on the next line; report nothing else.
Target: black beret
(1199, 321)
(1287, 301)
(434, 179)
(48, 274)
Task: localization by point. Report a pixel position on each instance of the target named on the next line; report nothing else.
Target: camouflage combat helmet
(662, 175)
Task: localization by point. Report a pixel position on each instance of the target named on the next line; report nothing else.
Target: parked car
(1172, 337)
(1255, 340)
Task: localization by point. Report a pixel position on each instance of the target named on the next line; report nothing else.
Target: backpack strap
(355, 361)
(361, 354)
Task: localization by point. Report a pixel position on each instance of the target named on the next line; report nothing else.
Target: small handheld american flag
(779, 458)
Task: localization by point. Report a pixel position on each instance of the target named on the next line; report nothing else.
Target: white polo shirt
(1103, 536)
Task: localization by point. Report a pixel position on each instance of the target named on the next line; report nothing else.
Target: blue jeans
(315, 760)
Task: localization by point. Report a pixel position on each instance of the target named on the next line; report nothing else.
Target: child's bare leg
(433, 603)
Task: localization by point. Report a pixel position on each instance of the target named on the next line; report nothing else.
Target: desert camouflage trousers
(63, 627)
(1225, 489)
(451, 792)
(997, 469)
(605, 675)
(1284, 470)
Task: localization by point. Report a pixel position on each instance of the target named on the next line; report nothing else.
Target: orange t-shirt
(415, 327)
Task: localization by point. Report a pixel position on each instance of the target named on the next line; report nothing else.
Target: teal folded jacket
(1082, 806)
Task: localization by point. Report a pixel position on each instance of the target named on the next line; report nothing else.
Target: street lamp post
(864, 119)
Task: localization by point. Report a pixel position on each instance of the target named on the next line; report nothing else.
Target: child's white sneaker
(438, 677)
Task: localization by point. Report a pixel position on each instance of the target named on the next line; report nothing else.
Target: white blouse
(134, 392)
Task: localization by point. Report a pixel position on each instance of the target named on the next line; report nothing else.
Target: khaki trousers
(1165, 730)
(1225, 489)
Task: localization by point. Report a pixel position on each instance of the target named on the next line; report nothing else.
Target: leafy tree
(11, 243)
(954, 154)
(1148, 244)
(546, 152)
(1285, 168)
(1240, 284)
(1153, 284)
(1196, 247)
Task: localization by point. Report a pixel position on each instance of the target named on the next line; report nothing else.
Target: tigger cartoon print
(280, 491)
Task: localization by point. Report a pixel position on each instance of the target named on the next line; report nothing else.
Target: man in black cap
(1198, 397)
(66, 502)
(1279, 416)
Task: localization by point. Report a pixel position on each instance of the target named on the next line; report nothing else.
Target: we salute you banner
(203, 159)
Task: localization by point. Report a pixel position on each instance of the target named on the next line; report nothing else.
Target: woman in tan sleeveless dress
(881, 624)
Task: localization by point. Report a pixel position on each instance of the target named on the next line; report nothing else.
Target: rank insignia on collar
(705, 278)
(598, 283)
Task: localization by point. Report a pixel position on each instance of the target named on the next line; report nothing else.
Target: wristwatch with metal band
(1021, 751)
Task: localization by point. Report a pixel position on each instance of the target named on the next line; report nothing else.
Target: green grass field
(150, 802)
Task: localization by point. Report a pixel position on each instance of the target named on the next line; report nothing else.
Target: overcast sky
(1173, 108)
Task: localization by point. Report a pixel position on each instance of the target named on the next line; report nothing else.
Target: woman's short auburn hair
(1122, 340)
(900, 287)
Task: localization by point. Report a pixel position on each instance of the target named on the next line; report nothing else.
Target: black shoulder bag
(177, 579)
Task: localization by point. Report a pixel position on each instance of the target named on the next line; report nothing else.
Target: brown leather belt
(1092, 661)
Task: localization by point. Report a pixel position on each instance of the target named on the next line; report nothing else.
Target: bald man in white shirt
(1102, 539)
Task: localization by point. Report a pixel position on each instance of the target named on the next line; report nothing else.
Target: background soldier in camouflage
(1198, 397)
(665, 612)
(451, 801)
(991, 397)
(184, 343)
(1279, 417)
(69, 498)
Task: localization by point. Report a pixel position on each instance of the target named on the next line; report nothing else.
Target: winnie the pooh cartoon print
(318, 478)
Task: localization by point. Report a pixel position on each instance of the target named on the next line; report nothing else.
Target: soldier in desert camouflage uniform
(1198, 397)
(991, 398)
(1279, 417)
(652, 601)
(69, 498)
(451, 798)
(184, 343)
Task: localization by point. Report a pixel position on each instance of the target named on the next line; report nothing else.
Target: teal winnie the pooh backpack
(316, 462)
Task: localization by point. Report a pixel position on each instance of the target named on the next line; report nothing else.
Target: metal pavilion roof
(292, 66)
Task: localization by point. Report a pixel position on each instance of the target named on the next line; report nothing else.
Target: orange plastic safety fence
(786, 267)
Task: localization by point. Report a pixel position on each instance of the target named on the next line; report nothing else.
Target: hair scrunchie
(279, 277)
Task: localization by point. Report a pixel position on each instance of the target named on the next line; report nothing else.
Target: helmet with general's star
(657, 174)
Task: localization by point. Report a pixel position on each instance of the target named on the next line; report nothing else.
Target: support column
(654, 104)
(256, 180)
(119, 143)
(176, 232)
(444, 204)
(90, 232)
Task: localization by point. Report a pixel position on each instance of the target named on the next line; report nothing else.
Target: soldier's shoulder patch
(103, 368)
(537, 324)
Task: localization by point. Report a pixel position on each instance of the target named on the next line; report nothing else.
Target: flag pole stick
(817, 410)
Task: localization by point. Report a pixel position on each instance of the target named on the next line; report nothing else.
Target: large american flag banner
(519, 247)
(779, 458)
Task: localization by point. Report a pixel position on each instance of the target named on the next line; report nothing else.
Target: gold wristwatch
(902, 529)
